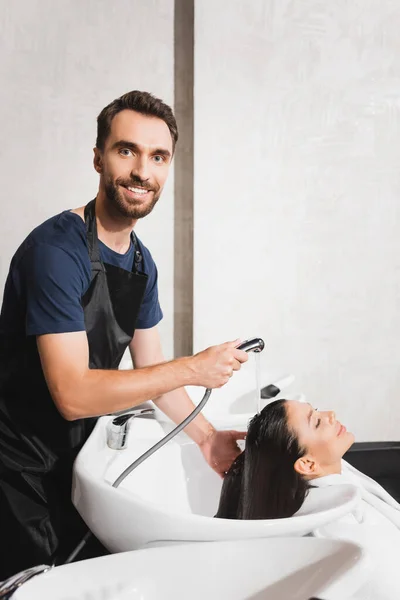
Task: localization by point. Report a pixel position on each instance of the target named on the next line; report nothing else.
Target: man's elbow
(67, 402)
(68, 410)
(69, 414)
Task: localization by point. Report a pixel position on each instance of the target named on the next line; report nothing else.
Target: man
(81, 289)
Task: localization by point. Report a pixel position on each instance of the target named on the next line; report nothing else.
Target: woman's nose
(332, 417)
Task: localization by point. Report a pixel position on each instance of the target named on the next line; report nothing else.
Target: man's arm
(80, 392)
(145, 349)
(219, 448)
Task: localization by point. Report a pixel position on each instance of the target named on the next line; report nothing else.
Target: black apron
(38, 522)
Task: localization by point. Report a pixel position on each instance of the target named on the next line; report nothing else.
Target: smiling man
(81, 289)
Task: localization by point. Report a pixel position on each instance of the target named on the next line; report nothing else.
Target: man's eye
(125, 151)
(158, 158)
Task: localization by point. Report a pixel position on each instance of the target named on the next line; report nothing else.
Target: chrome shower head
(252, 345)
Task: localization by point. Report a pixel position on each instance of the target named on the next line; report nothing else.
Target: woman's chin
(349, 439)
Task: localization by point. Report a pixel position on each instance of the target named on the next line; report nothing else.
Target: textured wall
(60, 63)
(297, 196)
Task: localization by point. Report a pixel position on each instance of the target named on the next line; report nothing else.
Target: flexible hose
(164, 440)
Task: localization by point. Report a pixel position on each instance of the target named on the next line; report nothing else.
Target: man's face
(134, 164)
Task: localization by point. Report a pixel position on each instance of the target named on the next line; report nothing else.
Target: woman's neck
(334, 469)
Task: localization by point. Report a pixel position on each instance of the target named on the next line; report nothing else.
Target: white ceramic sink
(269, 569)
(173, 496)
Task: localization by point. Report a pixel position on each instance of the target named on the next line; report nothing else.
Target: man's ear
(307, 466)
(97, 160)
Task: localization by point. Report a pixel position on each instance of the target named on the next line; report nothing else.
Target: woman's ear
(306, 466)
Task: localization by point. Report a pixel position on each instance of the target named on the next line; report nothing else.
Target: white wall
(60, 64)
(297, 196)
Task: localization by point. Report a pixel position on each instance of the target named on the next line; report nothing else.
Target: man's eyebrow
(162, 152)
(125, 144)
(133, 146)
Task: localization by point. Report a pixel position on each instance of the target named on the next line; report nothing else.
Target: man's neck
(113, 229)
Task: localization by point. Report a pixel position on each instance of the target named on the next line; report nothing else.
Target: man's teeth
(137, 190)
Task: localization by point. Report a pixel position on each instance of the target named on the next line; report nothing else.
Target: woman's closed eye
(318, 423)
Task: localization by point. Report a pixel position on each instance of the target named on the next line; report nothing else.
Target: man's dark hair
(141, 102)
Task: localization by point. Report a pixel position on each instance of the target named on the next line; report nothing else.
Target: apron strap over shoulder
(91, 236)
(137, 263)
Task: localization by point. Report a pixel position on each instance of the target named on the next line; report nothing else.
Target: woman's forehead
(297, 409)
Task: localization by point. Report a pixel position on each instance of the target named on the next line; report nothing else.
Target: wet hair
(262, 482)
(141, 102)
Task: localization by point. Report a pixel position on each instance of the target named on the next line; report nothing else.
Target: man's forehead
(143, 130)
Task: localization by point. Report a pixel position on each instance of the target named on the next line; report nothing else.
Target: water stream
(258, 380)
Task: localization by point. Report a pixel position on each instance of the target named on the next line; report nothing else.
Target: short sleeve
(54, 284)
(150, 313)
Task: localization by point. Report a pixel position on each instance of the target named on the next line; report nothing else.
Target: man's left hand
(220, 449)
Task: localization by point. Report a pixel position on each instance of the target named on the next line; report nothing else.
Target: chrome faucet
(118, 427)
(11, 585)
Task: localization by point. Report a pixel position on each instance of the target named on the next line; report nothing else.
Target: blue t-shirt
(51, 271)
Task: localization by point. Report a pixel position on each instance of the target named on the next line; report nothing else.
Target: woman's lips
(342, 429)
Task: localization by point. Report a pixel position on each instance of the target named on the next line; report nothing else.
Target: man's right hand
(212, 368)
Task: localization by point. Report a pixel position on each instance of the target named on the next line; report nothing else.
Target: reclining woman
(292, 448)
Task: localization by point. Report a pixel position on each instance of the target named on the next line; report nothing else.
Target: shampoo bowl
(172, 497)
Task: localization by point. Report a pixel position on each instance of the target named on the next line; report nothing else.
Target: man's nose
(141, 168)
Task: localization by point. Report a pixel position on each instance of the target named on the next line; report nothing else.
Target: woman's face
(323, 437)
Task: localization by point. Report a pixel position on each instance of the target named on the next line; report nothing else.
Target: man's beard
(130, 208)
